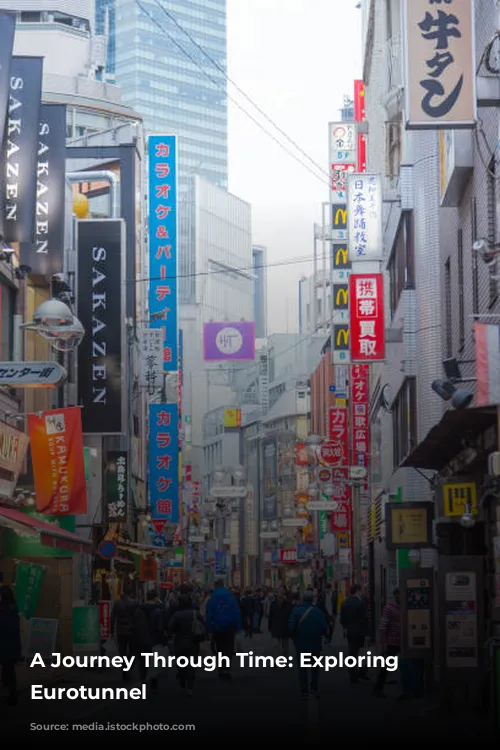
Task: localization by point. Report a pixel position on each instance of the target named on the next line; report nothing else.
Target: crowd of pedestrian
(189, 619)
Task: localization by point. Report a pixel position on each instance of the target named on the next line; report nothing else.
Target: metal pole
(101, 175)
(314, 301)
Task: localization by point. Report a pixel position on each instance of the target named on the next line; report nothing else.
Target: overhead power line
(238, 88)
(217, 85)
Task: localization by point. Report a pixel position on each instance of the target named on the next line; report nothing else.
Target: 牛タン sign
(32, 374)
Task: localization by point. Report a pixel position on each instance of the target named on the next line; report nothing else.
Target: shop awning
(50, 536)
(446, 440)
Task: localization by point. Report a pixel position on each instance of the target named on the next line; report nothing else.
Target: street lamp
(54, 321)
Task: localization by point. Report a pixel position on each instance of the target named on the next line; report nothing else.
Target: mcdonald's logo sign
(341, 296)
(341, 338)
(339, 216)
(340, 258)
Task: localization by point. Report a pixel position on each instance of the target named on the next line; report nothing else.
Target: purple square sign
(228, 341)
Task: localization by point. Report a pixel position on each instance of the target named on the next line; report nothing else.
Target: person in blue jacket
(10, 642)
(223, 621)
(308, 625)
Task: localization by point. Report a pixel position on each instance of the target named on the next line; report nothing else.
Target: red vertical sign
(359, 116)
(360, 432)
(338, 432)
(366, 301)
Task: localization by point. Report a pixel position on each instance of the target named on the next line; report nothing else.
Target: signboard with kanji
(164, 462)
(366, 292)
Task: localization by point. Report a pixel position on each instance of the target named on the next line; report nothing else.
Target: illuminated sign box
(409, 525)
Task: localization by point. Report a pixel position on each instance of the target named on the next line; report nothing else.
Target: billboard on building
(45, 255)
(440, 64)
(364, 209)
(366, 292)
(229, 341)
(162, 229)
(18, 176)
(164, 462)
(101, 310)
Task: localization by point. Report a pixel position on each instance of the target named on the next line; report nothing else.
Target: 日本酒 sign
(164, 462)
(366, 292)
(364, 211)
(440, 64)
(162, 159)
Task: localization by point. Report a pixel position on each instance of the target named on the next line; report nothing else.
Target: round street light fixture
(54, 321)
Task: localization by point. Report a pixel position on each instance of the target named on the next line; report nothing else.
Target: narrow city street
(258, 700)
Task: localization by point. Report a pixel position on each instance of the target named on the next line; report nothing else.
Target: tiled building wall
(460, 218)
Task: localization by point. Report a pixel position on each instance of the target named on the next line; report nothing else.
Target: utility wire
(225, 271)
(238, 88)
(217, 85)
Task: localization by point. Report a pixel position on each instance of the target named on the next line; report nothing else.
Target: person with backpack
(308, 625)
(187, 628)
(222, 623)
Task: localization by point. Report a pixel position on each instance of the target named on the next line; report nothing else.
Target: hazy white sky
(296, 59)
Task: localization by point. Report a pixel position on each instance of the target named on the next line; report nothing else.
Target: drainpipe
(101, 175)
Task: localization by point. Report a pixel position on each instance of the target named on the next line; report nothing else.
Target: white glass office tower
(167, 88)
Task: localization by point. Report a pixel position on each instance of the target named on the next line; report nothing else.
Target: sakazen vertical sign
(162, 162)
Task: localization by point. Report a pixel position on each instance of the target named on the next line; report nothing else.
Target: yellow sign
(341, 403)
(341, 258)
(456, 496)
(343, 334)
(409, 526)
(232, 417)
(343, 539)
(340, 217)
(342, 296)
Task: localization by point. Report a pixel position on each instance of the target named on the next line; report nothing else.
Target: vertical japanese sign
(440, 64)
(360, 432)
(164, 462)
(162, 160)
(58, 463)
(359, 116)
(151, 358)
(7, 31)
(117, 486)
(28, 587)
(45, 255)
(343, 146)
(101, 309)
(338, 433)
(364, 207)
(18, 180)
(104, 619)
(366, 292)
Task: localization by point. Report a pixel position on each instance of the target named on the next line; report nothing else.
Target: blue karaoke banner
(162, 161)
(164, 462)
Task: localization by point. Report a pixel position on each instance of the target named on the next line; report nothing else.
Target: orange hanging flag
(58, 462)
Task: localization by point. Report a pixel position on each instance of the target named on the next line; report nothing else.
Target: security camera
(486, 250)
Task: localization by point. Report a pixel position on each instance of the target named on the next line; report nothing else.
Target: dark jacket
(279, 618)
(123, 615)
(308, 626)
(10, 635)
(354, 618)
(247, 605)
(180, 627)
(155, 622)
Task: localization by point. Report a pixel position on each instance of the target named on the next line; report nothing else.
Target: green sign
(28, 585)
(14, 545)
(323, 522)
(86, 630)
(86, 461)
